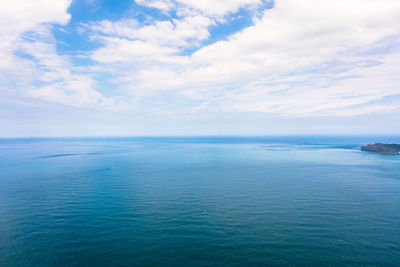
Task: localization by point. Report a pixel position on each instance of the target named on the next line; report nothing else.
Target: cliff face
(389, 149)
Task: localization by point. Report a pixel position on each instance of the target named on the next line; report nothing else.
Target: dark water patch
(59, 155)
(70, 155)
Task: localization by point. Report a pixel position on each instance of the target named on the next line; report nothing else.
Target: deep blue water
(212, 201)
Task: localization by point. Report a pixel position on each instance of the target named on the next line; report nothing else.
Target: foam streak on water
(198, 201)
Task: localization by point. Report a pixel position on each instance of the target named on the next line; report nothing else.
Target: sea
(199, 201)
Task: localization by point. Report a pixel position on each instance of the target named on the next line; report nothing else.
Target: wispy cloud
(298, 58)
(32, 65)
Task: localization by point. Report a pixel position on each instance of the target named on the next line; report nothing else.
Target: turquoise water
(233, 201)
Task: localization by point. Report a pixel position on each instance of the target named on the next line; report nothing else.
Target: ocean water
(200, 201)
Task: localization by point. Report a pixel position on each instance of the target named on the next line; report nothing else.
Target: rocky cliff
(390, 149)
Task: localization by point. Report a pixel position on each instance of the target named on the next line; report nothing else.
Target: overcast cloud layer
(308, 58)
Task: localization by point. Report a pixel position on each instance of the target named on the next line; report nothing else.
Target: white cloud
(175, 33)
(206, 7)
(123, 50)
(310, 57)
(219, 7)
(164, 5)
(19, 16)
(39, 71)
(297, 41)
(58, 82)
(75, 91)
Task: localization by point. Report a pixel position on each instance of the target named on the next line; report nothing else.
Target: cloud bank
(293, 58)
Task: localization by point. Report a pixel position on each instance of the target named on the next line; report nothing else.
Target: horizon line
(200, 136)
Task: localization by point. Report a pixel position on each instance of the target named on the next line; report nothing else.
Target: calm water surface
(198, 202)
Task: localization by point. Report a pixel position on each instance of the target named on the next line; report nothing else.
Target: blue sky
(210, 67)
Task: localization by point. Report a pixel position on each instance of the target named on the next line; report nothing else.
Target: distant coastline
(380, 148)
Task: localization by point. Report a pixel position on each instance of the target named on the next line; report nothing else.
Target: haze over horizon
(180, 67)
